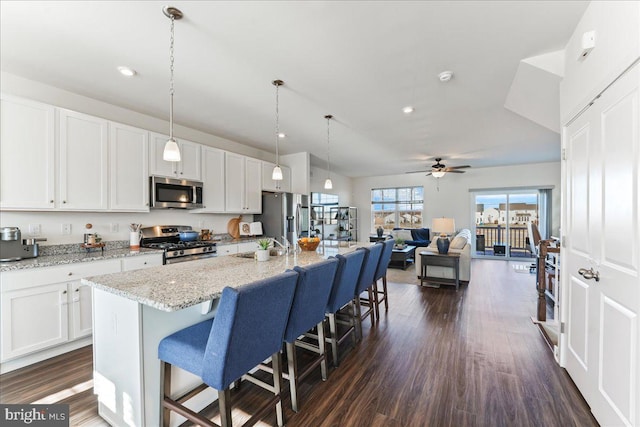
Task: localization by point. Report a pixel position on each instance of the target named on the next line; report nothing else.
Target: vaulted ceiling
(362, 61)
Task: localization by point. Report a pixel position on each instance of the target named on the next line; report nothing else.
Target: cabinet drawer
(227, 249)
(140, 262)
(247, 247)
(41, 276)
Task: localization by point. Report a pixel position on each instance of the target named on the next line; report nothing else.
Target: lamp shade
(438, 174)
(171, 151)
(443, 226)
(328, 185)
(276, 175)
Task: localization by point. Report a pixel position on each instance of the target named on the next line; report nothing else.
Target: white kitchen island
(134, 311)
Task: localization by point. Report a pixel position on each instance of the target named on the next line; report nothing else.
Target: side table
(373, 238)
(440, 260)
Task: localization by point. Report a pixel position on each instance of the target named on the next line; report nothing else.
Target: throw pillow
(401, 234)
(458, 242)
(434, 243)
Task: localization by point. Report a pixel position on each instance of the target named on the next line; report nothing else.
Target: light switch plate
(65, 228)
(35, 229)
(113, 227)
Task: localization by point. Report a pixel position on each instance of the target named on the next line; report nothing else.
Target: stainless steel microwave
(174, 193)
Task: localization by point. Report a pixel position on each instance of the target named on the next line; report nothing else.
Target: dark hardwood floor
(437, 358)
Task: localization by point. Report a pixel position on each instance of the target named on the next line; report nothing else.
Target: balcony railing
(492, 240)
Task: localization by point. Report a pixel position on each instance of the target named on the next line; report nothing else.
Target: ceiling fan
(439, 169)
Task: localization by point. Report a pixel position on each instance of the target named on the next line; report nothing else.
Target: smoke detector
(445, 76)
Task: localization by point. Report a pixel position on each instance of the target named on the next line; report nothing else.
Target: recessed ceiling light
(445, 76)
(127, 72)
(282, 135)
(408, 109)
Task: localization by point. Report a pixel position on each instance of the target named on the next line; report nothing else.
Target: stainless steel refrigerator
(284, 215)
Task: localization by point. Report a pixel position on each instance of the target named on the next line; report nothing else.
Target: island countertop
(177, 286)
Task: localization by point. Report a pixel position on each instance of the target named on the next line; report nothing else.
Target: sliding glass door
(501, 220)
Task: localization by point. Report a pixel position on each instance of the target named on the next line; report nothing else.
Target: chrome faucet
(285, 247)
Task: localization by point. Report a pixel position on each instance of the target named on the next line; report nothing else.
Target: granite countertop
(174, 287)
(72, 258)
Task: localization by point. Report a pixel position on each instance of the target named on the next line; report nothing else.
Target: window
(396, 207)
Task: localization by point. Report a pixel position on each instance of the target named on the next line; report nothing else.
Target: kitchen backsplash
(104, 224)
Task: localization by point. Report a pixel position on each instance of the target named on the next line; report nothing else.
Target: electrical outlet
(35, 229)
(113, 227)
(65, 228)
(200, 224)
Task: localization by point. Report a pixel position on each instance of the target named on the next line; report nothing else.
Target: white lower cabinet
(46, 308)
(223, 250)
(34, 319)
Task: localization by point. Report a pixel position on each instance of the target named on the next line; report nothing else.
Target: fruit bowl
(309, 243)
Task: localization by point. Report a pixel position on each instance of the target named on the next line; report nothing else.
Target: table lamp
(446, 227)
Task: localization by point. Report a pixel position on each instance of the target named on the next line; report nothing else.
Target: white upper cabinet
(269, 184)
(243, 184)
(213, 178)
(187, 168)
(82, 169)
(128, 168)
(27, 154)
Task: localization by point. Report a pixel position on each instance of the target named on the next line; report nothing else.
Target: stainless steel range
(168, 239)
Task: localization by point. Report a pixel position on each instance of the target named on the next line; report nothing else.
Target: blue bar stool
(381, 273)
(307, 311)
(365, 283)
(342, 292)
(247, 329)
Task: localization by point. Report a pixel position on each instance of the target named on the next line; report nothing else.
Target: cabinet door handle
(70, 274)
(64, 201)
(50, 201)
(77, 290)
(64, 292)
(145, 263)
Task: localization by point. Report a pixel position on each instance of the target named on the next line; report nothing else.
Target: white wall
(453, 199)
(342, 185)
(617, 46)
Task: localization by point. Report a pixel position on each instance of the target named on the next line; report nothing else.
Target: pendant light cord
(328, 148)
(277, 123)
(171, 59)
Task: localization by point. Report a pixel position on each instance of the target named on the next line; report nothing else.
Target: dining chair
(248, 328)
(365, 283)
(381, 273)
(342, 292)
(308, 311)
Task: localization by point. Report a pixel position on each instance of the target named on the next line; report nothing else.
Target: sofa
(419, 237)
(461, 244)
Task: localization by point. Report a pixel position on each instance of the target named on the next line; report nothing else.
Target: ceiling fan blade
(428, 173)
(453, 171)
(459, 167)
(426, 170)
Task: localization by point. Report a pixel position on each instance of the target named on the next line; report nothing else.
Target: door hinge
(564, 154)
(562, 327)
(563, 241)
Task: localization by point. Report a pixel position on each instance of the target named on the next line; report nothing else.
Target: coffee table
(402, 258)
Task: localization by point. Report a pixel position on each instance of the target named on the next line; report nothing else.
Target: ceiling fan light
(171, 151)
(328, 185)
(438, 174)
(276, 175)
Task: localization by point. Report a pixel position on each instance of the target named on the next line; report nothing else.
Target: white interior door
(603, 236)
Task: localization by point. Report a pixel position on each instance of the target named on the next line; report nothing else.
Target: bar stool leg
(165, 374)
(333, 331)
(277, 386)
(224, 401)
(293, 375)
(323, 350)
(386, 294)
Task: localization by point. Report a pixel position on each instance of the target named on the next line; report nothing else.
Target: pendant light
(171, 151)
(276, 175)
(328, 185)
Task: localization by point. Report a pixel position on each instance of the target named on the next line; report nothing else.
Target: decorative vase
(443, 245)
(134, 240)
(380, 231)
(262, 255)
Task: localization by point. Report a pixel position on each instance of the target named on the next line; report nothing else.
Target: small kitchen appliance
(174, 193)
(14, 248)
(170, 239)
